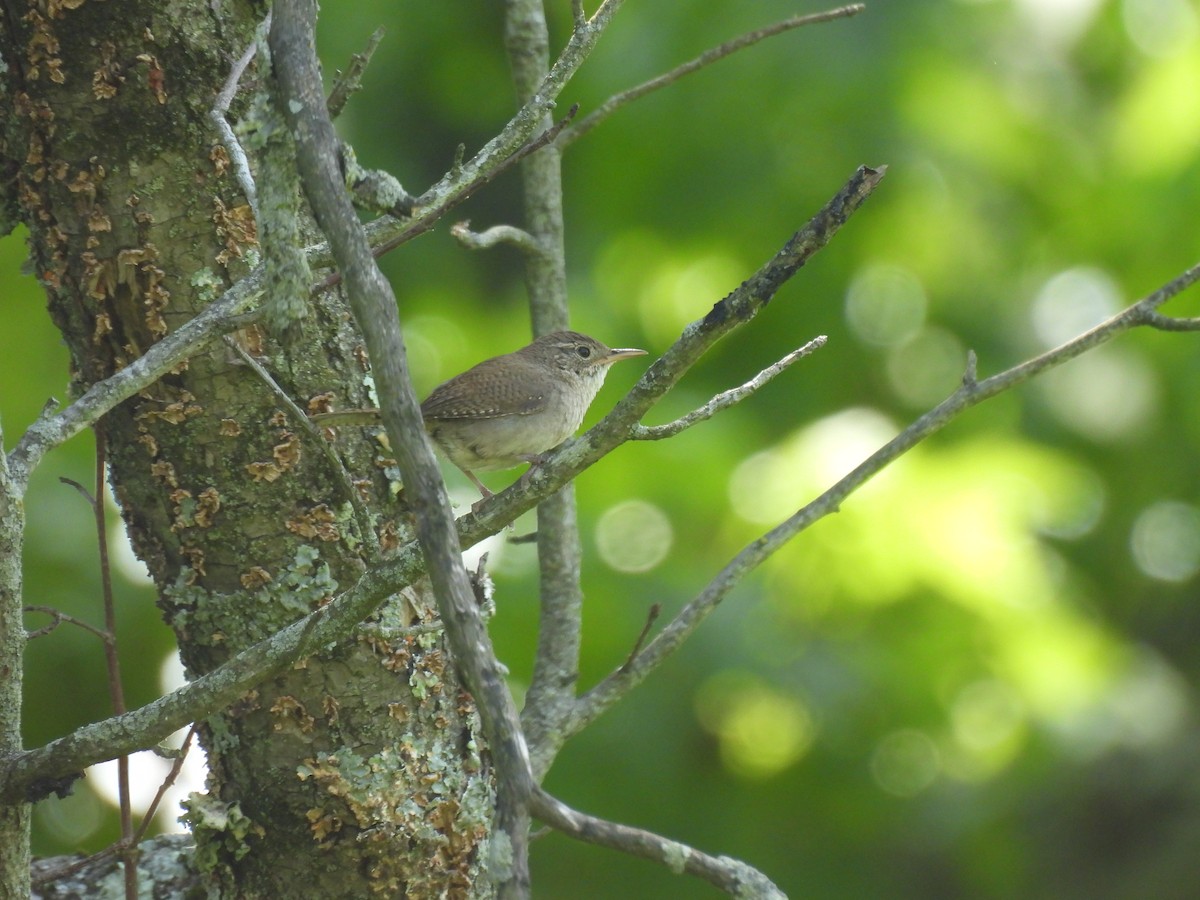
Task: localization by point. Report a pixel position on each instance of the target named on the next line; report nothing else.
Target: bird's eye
(584, 351)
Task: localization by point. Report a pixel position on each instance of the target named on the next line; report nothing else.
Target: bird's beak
(624, 353)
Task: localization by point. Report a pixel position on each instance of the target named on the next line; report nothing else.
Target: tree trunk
(357, 772)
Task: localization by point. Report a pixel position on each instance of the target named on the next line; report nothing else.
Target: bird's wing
(456, 399)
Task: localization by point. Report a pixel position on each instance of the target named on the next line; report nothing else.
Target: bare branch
(729, 875)
(708, 57)
(241, 165)
(297, 75)
(32, 774)
(350, 81)
(52, 429)
(971, 393)
(361, 515)
(551, 692)
(497, 234)
(725, 399)
(651, 618)
(58, 617)
(734, 311)
(1169, 323)
(512, 143)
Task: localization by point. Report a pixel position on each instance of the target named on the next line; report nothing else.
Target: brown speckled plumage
(511, 409)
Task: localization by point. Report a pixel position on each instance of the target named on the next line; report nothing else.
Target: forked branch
(725, 399)
(971, 393)
(732, 876)
(707, 58)
(34, 772)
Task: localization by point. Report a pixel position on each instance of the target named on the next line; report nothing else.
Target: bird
(512, 409)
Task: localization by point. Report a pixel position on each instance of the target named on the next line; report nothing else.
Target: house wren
(511, 409)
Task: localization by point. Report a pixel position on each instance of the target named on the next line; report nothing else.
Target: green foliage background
(979, 678)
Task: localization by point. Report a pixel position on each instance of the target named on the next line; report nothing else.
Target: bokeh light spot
(885, 305)
(1059, 22)
(1166, 541)
(71, 819)
(1152, 702)
(1106, 395)
(634, 536)
(927, 368)
(770, 485)
(1157, 122)
(1071, 302)
(905, 762)
(1159, 27)
(987, 719)
(147, 770)
(761, 731)
(436, 347)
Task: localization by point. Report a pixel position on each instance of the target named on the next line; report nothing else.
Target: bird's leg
(534, 460)
(483, 488)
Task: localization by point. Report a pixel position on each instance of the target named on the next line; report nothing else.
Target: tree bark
(14, 818)
(357, 772)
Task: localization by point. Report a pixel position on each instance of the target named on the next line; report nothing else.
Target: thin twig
(26, 774)
(651, 618)
(708, 57)
(725, 399)
(112, 662)
(52, 429)
(969, 394)
(426, 217)
(729, 875)
(241, 165)
(176, 766)
(1167, 323)
(59, 617)
(361, 514)
(84, 492)
(119, 846)
(497, 234)
(350, 81)
(373, 303)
